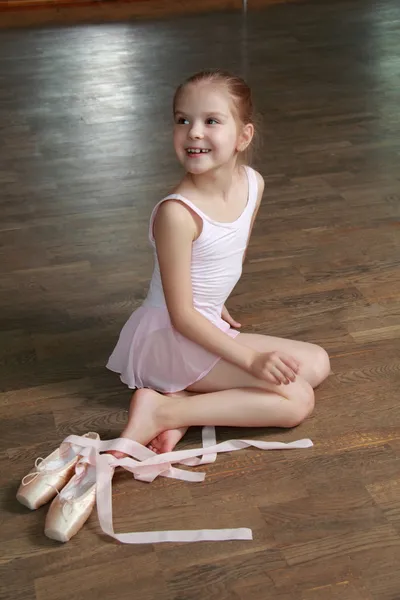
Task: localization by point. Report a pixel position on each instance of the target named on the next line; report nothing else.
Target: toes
(116, 454)
(154, 446)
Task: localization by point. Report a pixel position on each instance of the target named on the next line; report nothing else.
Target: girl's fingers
(285, 371)
(278, 375)
(271, 378)
(291, 363)
(233, 322)
(230, 320)
(291, 375)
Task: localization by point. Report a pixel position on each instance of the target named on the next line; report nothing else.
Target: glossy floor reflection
(85, 153)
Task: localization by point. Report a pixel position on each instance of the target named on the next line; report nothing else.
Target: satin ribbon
(146, 465)
(35, 474)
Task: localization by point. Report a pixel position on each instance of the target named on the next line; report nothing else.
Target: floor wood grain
(85, 153)
(25, 13)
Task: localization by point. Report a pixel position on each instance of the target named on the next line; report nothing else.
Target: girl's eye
(212, 121)
(182, 121)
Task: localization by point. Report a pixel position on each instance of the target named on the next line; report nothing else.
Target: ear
(245, 137)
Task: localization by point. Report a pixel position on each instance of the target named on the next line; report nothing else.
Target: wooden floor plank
(85, 153)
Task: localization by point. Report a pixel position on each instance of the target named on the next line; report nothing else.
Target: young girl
(178, 349)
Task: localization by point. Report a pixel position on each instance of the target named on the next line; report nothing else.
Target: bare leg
(167, 440)
(151, 413)
(314, 368)
(229, 396)
(313, 360)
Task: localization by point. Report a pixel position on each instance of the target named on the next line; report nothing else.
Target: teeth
(197, 151)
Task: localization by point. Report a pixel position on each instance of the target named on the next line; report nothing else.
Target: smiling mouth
(197, 151)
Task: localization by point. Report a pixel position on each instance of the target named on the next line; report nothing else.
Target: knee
(301, 406)
(321, 365)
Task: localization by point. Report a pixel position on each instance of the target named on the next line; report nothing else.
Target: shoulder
(260, 186)
(260, 181)
(174, 216)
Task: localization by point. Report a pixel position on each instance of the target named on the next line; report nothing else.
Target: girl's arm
(174, 232)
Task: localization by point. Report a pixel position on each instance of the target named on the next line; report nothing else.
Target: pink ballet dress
(150, 353)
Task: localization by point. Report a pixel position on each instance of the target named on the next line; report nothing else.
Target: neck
(215, 182)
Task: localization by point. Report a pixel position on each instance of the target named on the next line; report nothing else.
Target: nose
(196, 132)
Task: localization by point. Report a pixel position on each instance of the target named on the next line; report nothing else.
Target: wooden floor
(85, 152)
(28, 13)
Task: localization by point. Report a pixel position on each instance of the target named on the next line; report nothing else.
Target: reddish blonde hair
(237, 88)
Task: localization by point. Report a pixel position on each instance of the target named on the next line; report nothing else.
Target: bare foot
(167, 440)
(144, 423)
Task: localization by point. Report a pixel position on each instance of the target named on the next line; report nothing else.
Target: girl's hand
(274, 367)
(227, 317)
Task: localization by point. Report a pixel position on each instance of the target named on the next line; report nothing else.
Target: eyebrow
(215, 113)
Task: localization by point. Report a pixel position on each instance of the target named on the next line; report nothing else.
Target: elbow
(180, 319)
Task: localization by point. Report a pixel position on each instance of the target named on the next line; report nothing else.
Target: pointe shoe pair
(69, 476)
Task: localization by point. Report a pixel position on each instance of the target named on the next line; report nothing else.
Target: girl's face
(206, 133)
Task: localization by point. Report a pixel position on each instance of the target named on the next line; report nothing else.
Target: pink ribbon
(146, 465)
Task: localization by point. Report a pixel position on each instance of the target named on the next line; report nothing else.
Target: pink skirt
(150, 353)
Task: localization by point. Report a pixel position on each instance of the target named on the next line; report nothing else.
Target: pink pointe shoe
(50, 474)
(72, 507)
